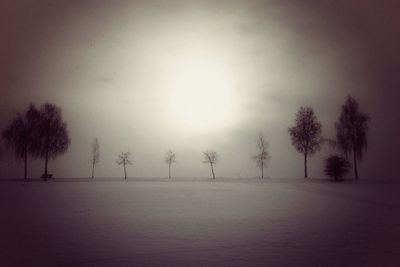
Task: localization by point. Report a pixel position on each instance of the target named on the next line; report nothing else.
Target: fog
(112, 66)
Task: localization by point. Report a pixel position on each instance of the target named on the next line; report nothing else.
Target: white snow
(199, 223)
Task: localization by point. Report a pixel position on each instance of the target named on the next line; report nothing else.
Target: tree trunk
(93, 170)
(355, 164)
(212, 170)
(25, 165)
(305, 165)
(125, 170)
(262, 170)
(46, 158)
(169, 171)
(45, 166)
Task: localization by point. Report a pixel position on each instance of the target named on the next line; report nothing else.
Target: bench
(49, 176)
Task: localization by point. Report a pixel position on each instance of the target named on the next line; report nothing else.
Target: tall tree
(95, 154)
(263, 156)
(123, 159)
(53, 135)
(306, 134)
(351, 131)
(21, 135)
(170, 158)
(211, 157)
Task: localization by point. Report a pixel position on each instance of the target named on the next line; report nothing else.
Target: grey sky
(109, 66)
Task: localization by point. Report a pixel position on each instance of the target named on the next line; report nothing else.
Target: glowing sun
(201, 96)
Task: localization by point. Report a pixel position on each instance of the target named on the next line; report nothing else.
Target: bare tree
(262, 157)
(351, 131)
(53, 135)
(170, 158)
(21, 135)
(306, 134)
(123, 159)
(211, 157)
(95, 154)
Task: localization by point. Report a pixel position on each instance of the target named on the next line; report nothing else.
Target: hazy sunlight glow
(201, 97)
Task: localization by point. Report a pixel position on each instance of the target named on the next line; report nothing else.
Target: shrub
(337, 167)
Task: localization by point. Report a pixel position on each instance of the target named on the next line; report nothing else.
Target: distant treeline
(42, 133)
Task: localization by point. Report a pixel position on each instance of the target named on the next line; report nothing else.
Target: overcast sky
(112, 67)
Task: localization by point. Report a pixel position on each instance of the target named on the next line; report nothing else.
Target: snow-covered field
(199, 223)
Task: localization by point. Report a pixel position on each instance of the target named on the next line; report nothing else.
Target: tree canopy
(21, 135)
(53, 135)
(351, 131)
(306, 134)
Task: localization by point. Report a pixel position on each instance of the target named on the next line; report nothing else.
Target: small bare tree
(210, 157)
(95, 155)
(263, 156)
(123, 159)
(170, 158)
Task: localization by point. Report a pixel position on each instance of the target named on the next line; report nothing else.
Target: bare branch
(123, 158)
(210, 156)
(170, 157)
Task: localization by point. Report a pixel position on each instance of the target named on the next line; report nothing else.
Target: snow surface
(199, 223)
